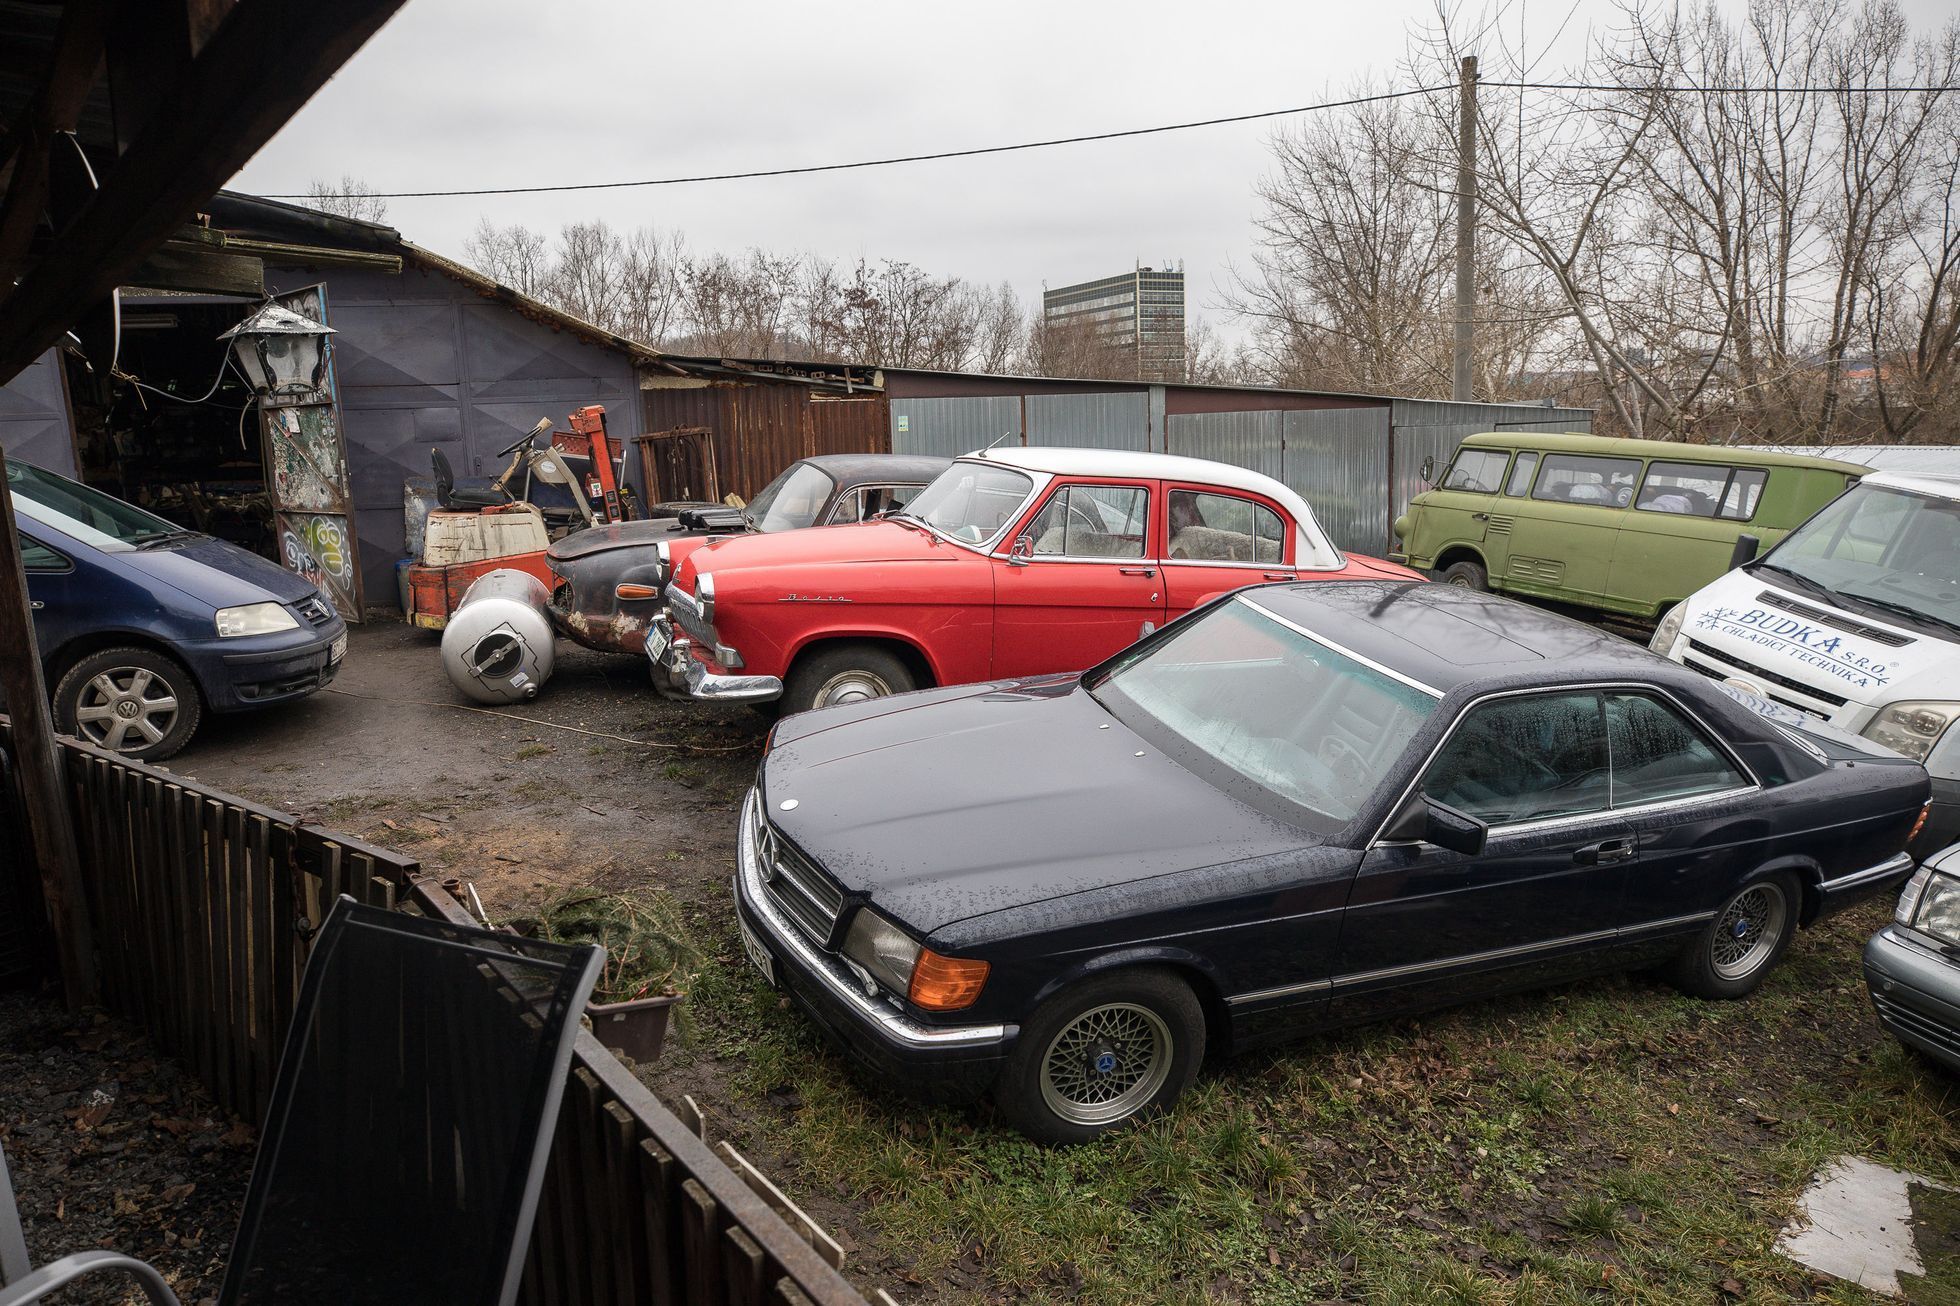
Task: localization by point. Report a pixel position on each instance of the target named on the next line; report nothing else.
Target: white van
(1853, 617)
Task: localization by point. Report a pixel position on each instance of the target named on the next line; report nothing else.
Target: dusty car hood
(874, 541)
(956, 803)
(620, 535)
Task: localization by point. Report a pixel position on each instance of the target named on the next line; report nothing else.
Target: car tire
(1466, 575)
(132, 701)
(1747, 936)
(1101, 1054)
(851, 673)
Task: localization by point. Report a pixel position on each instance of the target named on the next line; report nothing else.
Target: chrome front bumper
(677, 673)
(838, 990)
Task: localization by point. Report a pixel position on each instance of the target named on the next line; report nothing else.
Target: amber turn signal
(946, 983)
(631, 591)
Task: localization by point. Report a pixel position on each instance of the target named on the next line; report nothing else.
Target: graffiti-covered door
(306, 474)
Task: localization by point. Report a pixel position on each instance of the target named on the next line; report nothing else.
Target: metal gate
(306, 475)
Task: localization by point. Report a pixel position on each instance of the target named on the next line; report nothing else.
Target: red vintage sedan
(1013, 562)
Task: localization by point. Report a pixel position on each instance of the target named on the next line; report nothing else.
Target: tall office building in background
(1140, 313)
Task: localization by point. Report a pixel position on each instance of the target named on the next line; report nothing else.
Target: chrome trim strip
(1670, 923)
(896, 1027)
(1471, 959)
(1325, 642)
(1892, 865)
(1755, 781)
(1283, 991)
(1236, 566)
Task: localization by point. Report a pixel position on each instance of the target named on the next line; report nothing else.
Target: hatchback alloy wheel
(122, 702)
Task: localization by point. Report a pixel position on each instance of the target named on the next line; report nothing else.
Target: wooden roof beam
(264, 60)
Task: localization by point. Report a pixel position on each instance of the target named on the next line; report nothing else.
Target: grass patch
(1609, 1140)
(648, 950)
(529, 751)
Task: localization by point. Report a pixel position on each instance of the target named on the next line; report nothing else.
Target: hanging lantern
(280, 353)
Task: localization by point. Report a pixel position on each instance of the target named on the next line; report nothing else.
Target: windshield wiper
(1817, 587)
(150, 539)
(1912, 614)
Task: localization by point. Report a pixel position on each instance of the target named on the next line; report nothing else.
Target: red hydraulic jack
(603, 486)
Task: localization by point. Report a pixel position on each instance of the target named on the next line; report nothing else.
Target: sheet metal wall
(947, 428)
(1337, 459)
(1093, 421)
(424, 362)
(1251, 440)
(35, 426)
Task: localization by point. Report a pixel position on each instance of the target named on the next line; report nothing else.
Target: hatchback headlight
(1911, 727)
(1668, 631)
(255, 619)
(1909, 896)
(1939, 909)
(879, 946)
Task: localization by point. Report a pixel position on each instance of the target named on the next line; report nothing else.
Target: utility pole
(50, 829)
(1466, 229)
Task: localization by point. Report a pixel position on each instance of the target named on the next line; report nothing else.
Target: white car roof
(1315, 550)
(1947, 487)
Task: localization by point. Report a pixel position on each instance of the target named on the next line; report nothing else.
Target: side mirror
(1746, 548)
(1020, 551)
(1437, 823)
(1428, 470)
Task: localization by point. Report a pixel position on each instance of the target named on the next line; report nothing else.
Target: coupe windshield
(791, 501)
(85, 514)
(1881, 548)
(972, 502)
(1248, 692)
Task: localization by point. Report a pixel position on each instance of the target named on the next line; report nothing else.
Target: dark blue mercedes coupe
(1302, 806)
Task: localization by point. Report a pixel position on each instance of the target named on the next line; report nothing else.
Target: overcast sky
(478, 93)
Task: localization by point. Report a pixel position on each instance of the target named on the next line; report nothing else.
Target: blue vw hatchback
(143, 626)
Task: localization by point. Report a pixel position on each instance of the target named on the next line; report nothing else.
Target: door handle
(1137, 571)
(1603, 853)
(1479, 516)
(35, 605)
(1278, 575)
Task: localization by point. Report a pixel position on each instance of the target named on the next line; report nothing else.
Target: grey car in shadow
(1912, 966)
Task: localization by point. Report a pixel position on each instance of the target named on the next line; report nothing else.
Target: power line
(875, 163)
(1102, 136)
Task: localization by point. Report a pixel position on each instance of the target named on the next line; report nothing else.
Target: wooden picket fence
(204, 905)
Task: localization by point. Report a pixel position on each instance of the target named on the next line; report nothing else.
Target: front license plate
(657, 642)
(337, 650)
(757, 953)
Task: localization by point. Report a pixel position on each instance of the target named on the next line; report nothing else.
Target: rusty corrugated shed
(761, 427)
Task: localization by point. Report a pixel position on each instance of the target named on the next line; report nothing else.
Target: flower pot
(635, 1029)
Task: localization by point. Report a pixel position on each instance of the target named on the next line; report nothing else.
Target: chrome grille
(1916, 1023)
(794, 883)
(315, 609)
(687, 615)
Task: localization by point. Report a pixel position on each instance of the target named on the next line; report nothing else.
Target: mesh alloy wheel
(1106, 1064)
(1748, 932)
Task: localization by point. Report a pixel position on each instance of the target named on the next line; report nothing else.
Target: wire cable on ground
(1108, 136)
(538, 721)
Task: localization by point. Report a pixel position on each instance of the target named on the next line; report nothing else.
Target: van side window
(1745, 490)
(1579, 478)
(1521, 475)
(1480, 471)
(1692, 489)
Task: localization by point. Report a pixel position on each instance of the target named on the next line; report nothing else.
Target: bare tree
(351, 198)
(514, 255)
